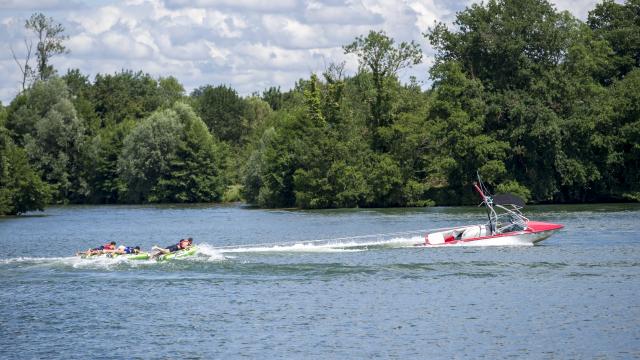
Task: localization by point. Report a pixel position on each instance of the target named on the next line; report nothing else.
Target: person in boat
(181, 245)
(126, 250)
(102, 249)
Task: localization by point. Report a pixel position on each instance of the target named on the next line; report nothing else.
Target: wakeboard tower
(507, 225)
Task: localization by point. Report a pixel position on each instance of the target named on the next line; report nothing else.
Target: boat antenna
(487, 200)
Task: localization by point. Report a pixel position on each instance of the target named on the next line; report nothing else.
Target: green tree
(171, 157)
(223, 111)
(625, 136)
(539, 69)
(377, 54)
(311, 186)
(126, 95)
(21, 188)
(307, 161)
(618, 24)
(45, 122)
(50, 42)
(257, 112)
(81, 93)
(334, 93)
(274, 97)
(458, 142)
(408, 140)
(269, 175)
(101, 156)
(30, 106)
(507, 44)
(147, 153)
(196, 172)
(170, 90)
(279, 151)
(313, 101)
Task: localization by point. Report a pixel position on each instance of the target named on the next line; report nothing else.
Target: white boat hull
(511, 240)
(537, 232)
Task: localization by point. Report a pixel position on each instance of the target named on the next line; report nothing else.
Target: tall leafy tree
(618, 24)
(45, 122)
(21, 188)
(147, 153)
(50, 36)
(197, 171)
(458, 142)
(171, 157)
(274, 97)
(507, 44)
(170, 90)
(625, 122)
(126, 95)
(223, 110)
(101, 157)
(334, 93)
(81, 93)
(378, 55)
(537, 66)
(269, 171)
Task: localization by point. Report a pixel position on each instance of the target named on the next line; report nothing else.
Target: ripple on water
(292, 297)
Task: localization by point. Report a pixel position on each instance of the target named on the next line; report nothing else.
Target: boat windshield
(503, 210)
(505, 219)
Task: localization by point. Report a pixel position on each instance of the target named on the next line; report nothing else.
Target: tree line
(540, 103)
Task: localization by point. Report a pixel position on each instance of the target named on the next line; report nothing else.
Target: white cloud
(10, 80)
(120, 45)
(82, 44)
(291, 33)
(228, 26)
(247, 44)
(579, 8)
(216, 54)
(102, 20)
(348, 14)
(428, 13)
(246, 5)
(38, 5)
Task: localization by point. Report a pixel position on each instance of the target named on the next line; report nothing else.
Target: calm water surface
(263, 288)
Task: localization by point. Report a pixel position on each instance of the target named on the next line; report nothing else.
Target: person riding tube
(127, 250)
(181, 245)
(106, 248)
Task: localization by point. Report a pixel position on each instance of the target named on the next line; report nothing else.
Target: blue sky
(247, 44)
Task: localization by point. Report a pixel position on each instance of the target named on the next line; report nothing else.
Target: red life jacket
(109, 247)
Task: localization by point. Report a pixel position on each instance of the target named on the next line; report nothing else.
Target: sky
(249, 45)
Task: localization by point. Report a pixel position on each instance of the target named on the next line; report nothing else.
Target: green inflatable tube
(179, 254)
(138, 256)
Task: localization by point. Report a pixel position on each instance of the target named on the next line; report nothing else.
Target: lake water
(262, 287)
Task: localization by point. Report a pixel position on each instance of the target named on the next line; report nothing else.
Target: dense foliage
(538, 102)
(21, 188)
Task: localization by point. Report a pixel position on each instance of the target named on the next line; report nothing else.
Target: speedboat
(507, 225)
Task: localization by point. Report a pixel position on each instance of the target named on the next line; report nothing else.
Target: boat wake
(211, 253)
(483, 243)
(73, 262)
(345, 244)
